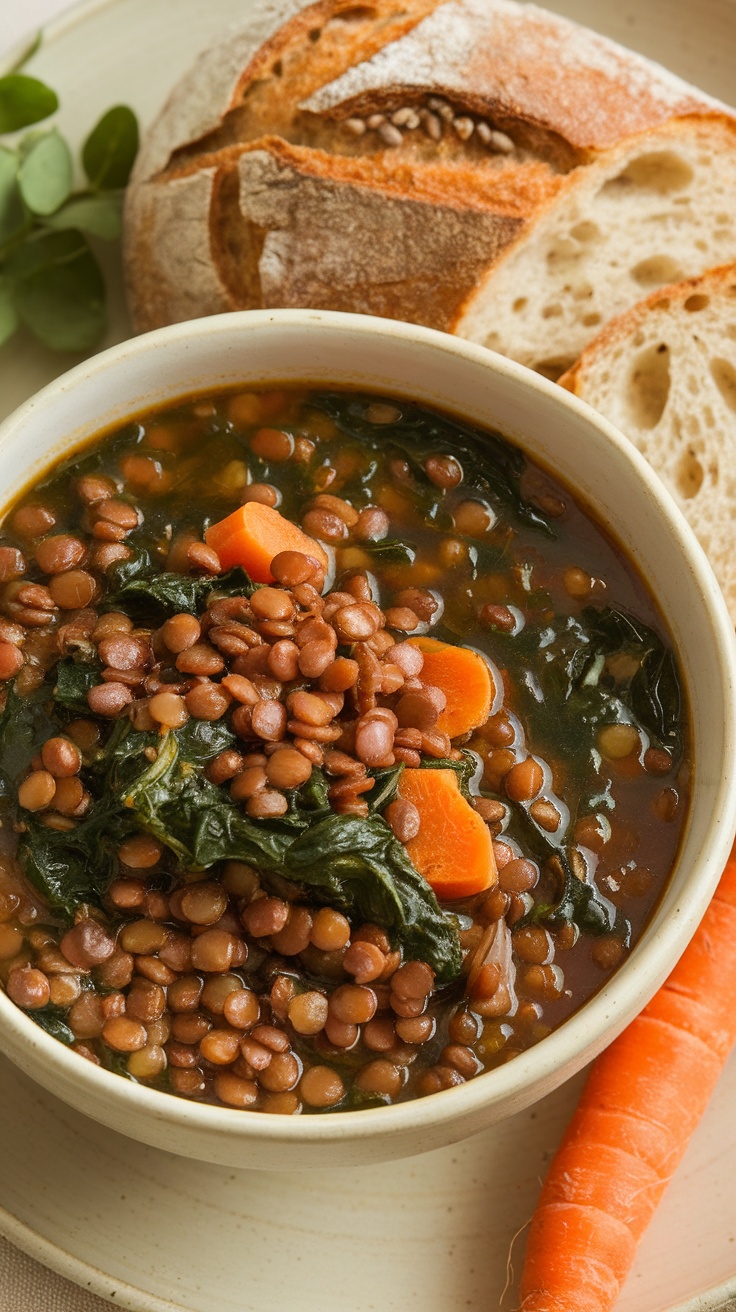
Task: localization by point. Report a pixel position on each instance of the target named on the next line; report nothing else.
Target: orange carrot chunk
(253, 535)
(453, 849)
(464, 678)
(643, 1099)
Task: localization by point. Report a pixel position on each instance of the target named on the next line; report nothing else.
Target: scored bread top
(472, 114)
(664, 373)
(518, 62)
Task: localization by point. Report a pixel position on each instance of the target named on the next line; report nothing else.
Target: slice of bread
(665, 374)
(484, 131)
(651, 212)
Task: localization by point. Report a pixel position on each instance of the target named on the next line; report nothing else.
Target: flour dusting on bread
(512, 56)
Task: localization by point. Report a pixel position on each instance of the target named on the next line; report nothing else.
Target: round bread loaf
(474, 165)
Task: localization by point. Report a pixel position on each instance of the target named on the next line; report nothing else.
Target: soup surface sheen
(343, 754)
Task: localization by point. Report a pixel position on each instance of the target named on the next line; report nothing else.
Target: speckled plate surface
(156, 1232)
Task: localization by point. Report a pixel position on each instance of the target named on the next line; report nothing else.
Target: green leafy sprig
(50, 280)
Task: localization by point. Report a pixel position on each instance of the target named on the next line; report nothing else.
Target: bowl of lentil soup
(364, 770)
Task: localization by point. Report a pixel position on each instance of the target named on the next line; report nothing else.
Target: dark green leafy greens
(578, 902)
(50, 280)
(390, 551)
(653, 691)
(52, 1020)
(491, 466)
(466, 769)
(72, 868)
(25, 724)
(137, 586)
(74, 679)
(351, 863)
(597, 668)
(358, 866)
(354, 864)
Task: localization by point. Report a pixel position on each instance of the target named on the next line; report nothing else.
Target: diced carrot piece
(464, 678)
(453, 849)
(254, 534)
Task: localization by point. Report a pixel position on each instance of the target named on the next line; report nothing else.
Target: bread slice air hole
(661, 171)
(520, 304)
(696, 302)
(657, 270)
(552, 311)
(690, 475)
(585, 231)
(649, 386)
(724, 377)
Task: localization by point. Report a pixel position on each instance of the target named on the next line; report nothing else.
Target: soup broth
(343, 751)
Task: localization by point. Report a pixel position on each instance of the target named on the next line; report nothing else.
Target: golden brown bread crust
(524, 97)
(337, 231)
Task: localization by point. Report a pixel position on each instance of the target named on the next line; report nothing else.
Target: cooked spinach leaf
(385, 786)
(25, 724)
(492, 467)
(309, 802)
(200, 740)
(390, 551)
(587, 670)
(52, 1020)
(171, 799)
(73, 681)
(348, 862)
(652, 691)
(357, 865)
(466, 769)
(69, 868)
(137, 587)
(578, 902)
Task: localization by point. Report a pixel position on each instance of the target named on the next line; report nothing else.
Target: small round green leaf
(12, 213)
(98, 215)
(8, 316)
(58, 290)
(24, 100)
(45, 173)
(110, 149)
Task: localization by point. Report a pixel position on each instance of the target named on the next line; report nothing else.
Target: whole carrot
(643, 1099)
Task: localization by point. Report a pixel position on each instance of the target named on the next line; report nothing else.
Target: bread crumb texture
(665, 373)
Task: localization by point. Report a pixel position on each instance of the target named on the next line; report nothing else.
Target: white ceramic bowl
(583, 450)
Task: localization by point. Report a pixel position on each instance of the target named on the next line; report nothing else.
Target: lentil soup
(343, 753)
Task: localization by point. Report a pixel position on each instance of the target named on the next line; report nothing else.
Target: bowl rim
(608, 1010)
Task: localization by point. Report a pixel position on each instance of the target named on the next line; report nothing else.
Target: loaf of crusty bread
(665, 373)
(480, 166)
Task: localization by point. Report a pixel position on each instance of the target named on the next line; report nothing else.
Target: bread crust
(282, 91)
(522, 66)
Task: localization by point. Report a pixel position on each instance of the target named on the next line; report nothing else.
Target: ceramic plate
(438, 1233)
